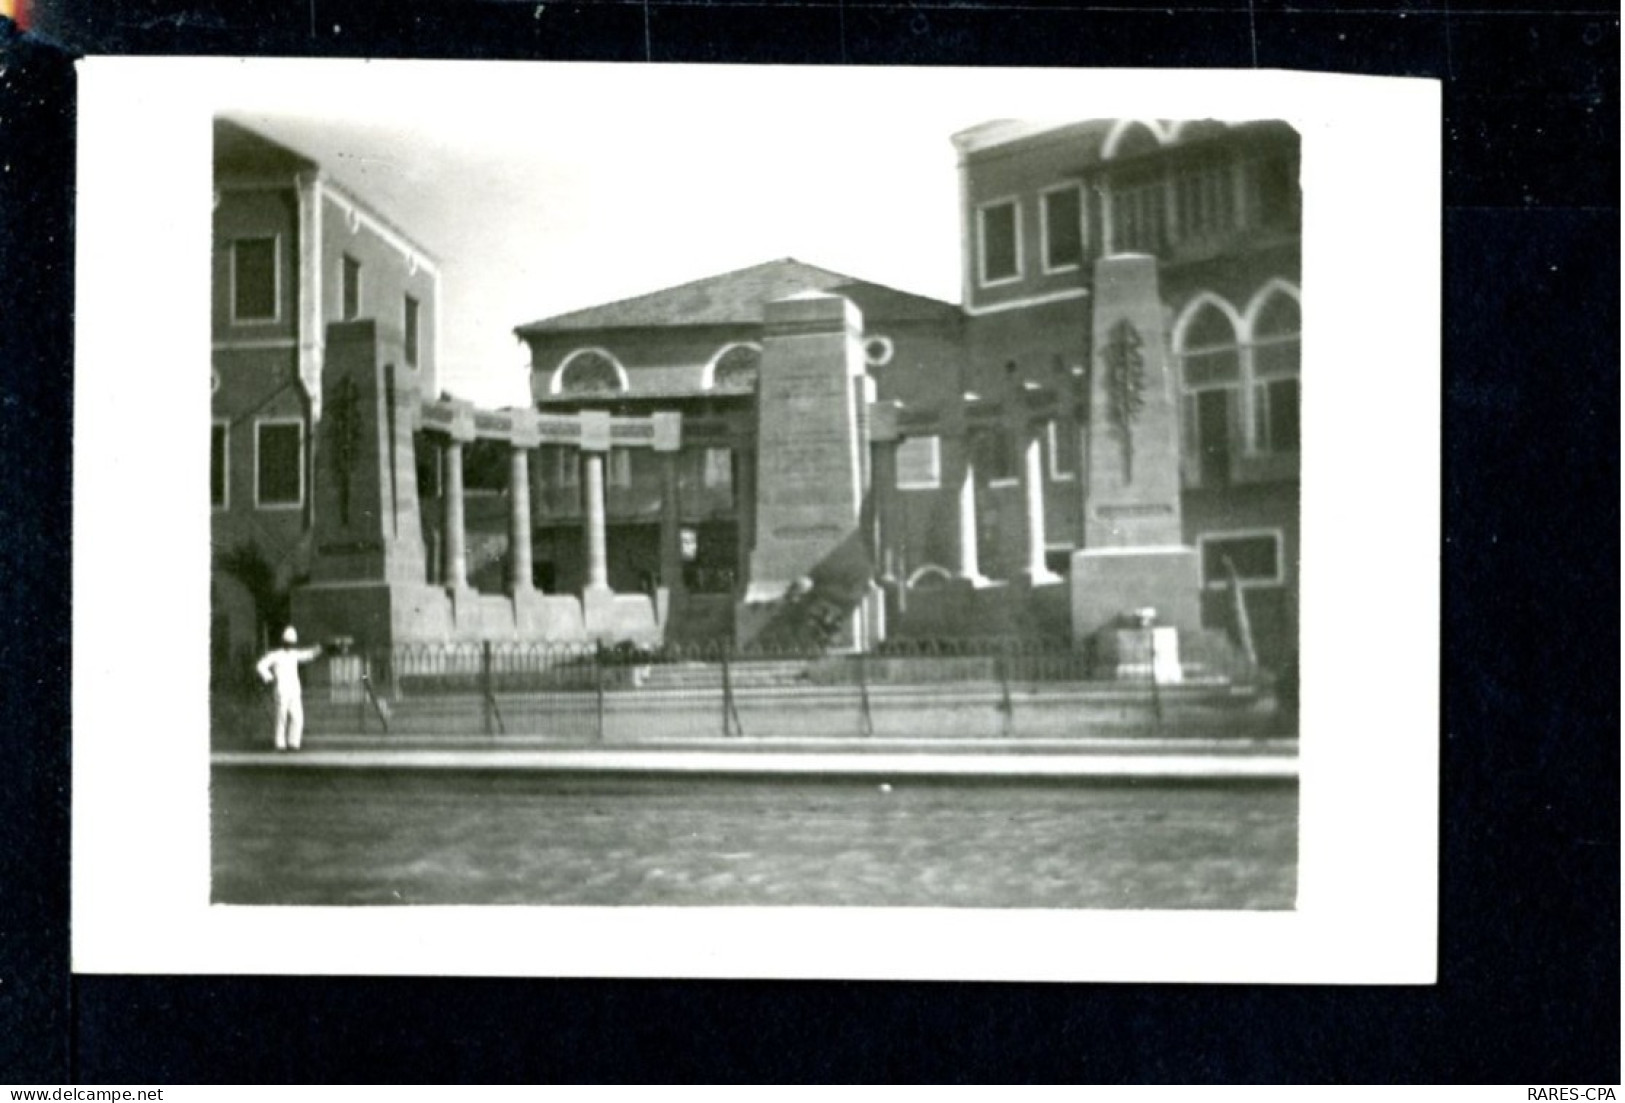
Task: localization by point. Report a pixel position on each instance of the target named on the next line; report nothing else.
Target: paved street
(1175, 829)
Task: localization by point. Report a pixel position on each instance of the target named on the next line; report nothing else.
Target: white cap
(289, 636)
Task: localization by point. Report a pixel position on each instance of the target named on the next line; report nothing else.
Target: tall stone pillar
(1035, 571)
(456, 556)
(744, 472)
(1133, 556)
(519, 547)
(883, 455)
(809, 476)
(671, 524)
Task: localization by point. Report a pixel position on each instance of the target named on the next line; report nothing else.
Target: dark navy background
(1529, 923)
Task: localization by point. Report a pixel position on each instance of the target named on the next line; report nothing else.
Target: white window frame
(928, 570)
(1227, 535)
(1056, 475)
(556, 384)
(276, 281)
(1043, 225)
(934, 444)
(1014, 203)
(264, 423)
(225, 464)
(1250, 378)
(708, 374)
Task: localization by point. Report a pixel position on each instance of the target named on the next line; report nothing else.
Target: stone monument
(368, 574)
(810, 567)
(1133, 559)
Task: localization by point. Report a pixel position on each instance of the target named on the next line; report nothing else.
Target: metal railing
(927, 689)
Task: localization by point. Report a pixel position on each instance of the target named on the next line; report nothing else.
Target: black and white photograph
(695, 502)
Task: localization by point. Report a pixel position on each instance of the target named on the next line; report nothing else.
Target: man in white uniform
(282, 667)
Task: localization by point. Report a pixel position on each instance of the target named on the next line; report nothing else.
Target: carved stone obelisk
(1134, 558)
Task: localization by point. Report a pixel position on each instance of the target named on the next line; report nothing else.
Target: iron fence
(925, 689)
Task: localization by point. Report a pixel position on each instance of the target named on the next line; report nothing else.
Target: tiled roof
(737, 298)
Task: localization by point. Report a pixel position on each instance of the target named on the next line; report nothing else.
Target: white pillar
(519, 549)
(968, 566)
(452, 500)
(592, 482)
(1032, 492)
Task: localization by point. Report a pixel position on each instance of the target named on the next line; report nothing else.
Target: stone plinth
(1108, 583)
(1142, 654)
(809, 469)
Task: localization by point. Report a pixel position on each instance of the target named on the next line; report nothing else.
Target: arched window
(1274, 372)
(737, 368)
(1207, 340)
(589, 371)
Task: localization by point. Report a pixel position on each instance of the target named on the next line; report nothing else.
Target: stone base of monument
(1111, 583)
(374, 614)
(1140, 654)
(384, 614)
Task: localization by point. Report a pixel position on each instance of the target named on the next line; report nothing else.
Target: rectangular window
(1275, 190)
(1256, 557)
(254, 279)
(1275, 416)
(220, 466)
(1205, 202)
(1063, 452)
(919, 463)
(1138, 214)
(1063, 228)
(1000, 237)
(279, 464)
(351, 289)
(409, 326)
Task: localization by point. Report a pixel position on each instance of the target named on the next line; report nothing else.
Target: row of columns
(967, 563)
(454, 573)
(884, 528)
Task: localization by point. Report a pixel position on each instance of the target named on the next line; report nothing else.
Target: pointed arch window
(1210, 353)
(1275, 371)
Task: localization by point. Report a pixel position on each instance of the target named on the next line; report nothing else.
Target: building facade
(625, 501)
(977, 488)
(293, 252)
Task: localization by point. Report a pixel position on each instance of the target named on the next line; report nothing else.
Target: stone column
(1032, 494)
(671, 521)
(519, 549)
(1108, 233)
(883, 496)
(592, 486)
(456, 555)
(969, 567)
(744, 508)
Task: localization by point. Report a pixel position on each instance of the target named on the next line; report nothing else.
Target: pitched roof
(737, 298)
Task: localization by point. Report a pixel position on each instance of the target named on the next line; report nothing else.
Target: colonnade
(887, 526)
(589, 432)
